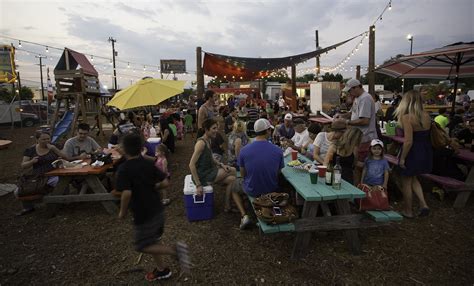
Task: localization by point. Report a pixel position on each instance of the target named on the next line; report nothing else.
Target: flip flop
(424, 212)
(25, 212)
(407, 216)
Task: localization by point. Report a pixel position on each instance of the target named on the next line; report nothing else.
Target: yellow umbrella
(146, 92)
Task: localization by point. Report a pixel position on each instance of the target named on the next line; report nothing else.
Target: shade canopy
(442, 63)
(146, 92)
(240, 68)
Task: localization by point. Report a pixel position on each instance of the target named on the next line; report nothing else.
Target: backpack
(273, 208)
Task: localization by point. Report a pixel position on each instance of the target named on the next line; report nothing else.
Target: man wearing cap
(286, 130)
(260, 162)
(362, 116)
(301, 137)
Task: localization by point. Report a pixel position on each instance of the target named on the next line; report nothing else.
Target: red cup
(322, 171)
(294, 155)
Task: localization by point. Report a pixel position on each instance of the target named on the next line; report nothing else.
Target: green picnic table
(319, 196)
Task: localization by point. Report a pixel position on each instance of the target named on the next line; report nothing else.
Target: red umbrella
(450, 62)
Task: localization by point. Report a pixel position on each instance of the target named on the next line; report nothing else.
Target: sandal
(407, 216)
(231, 210)
(424, 212)
(25, 211)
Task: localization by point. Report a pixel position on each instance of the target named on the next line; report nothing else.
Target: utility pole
(318, 67)
(112, 40)
(371, 74)
(40, 57)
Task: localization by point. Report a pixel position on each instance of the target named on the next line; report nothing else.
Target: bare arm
(28, 162)
(243, 173)
(58, 152)
(359, 122)
(124, 201)
(163, 184)
(329, 155)
(201, 117)
(364, 171)
(385, 179)
(316, 156)
(198, 148)
(238, 146)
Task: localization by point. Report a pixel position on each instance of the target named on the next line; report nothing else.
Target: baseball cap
(338, 125)
(288, 116)
(350, 84)
(261, 125)
(375, 142)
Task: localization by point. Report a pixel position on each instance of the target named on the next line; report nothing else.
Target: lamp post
(410, 38)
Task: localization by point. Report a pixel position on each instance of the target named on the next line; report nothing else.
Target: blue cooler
(198, 208)
(152, 142)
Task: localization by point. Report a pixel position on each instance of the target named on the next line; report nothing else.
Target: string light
(47, 49)
(92, 58)
(19, 44)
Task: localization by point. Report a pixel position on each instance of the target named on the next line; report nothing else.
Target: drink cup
(313, 175)
(294, 155)
(322, 171)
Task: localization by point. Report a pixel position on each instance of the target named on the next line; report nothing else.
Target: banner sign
(173, 66)
(7, 64)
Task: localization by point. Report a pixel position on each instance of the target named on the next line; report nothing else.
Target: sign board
(173, 66)
(7, 64)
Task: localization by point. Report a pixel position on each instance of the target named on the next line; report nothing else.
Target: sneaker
(158, 275)
(182, 251)
(244, 222)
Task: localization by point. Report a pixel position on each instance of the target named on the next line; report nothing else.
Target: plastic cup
(294, 155)
(322, 171)
(313, 175)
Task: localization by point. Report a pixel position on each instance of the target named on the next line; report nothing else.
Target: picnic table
(463, 188)
(321, 120)
(320, 196)
(91, 177)
(4, 144)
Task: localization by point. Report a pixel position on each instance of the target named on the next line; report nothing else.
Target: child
(162, 164)
(375, 172)
(188, 123)
(138, 180)
(179, 126)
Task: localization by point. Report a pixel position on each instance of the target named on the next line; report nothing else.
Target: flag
(50, 89)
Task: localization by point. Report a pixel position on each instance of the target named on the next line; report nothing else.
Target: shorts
(237, 186)
(363, 151)
(149, 232)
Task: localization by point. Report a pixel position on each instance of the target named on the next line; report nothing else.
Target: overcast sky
(149, 31)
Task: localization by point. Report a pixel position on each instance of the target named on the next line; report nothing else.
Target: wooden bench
(448, 184)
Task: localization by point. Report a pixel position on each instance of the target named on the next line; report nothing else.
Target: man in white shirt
(301, 137)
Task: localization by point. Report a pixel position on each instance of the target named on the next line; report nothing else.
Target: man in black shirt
(139, 182)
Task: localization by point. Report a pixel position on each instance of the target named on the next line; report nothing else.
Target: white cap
(375, 142)
(288, 116)
(261, 125)
(350, 84)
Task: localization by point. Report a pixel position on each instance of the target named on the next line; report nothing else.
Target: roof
(76, 59)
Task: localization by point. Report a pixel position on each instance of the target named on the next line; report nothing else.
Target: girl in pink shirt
(162, 164)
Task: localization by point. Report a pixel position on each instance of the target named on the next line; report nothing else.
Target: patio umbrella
(146, 92)
(450, 62)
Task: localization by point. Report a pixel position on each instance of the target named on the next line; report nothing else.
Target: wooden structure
(77, 83)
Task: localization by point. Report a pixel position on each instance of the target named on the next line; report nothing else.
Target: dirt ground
(83, 244)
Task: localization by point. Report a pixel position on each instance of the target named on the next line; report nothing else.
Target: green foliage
(326, 77)
(6, 94)
(306, 78)
(26, 93)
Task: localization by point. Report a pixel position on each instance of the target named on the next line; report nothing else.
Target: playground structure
(77, 84)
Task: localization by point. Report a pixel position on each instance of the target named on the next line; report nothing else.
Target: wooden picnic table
(463, 154)
(320, 196)
(90, 176)
(321, 120)
(4, 144)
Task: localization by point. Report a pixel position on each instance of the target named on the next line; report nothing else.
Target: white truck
(11, 113)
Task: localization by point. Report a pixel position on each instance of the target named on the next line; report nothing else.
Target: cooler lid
(154, 140)
(190, 188)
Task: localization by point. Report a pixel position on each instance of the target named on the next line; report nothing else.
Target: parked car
(12, 112)
(29, 119)
(40, 109)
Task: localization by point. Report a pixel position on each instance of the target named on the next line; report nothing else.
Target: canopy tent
(450, 62)
(240, 68)
(77, 59)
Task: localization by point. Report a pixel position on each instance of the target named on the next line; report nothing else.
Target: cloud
(135, 11)
(29, 28)
(62, 9)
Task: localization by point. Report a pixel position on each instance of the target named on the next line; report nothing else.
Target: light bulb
(128, 65)
(47, 49)
(19, 43)
(92, 58)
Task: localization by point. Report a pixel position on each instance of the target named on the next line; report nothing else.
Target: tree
(26, 93)
(6, 94)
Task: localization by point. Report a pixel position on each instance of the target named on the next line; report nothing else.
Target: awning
(239, 68)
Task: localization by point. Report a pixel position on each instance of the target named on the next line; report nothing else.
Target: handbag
(376, 199)
(438, 136)
(273, 208)
(32, 184)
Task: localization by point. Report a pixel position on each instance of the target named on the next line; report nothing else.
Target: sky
(147, 31)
